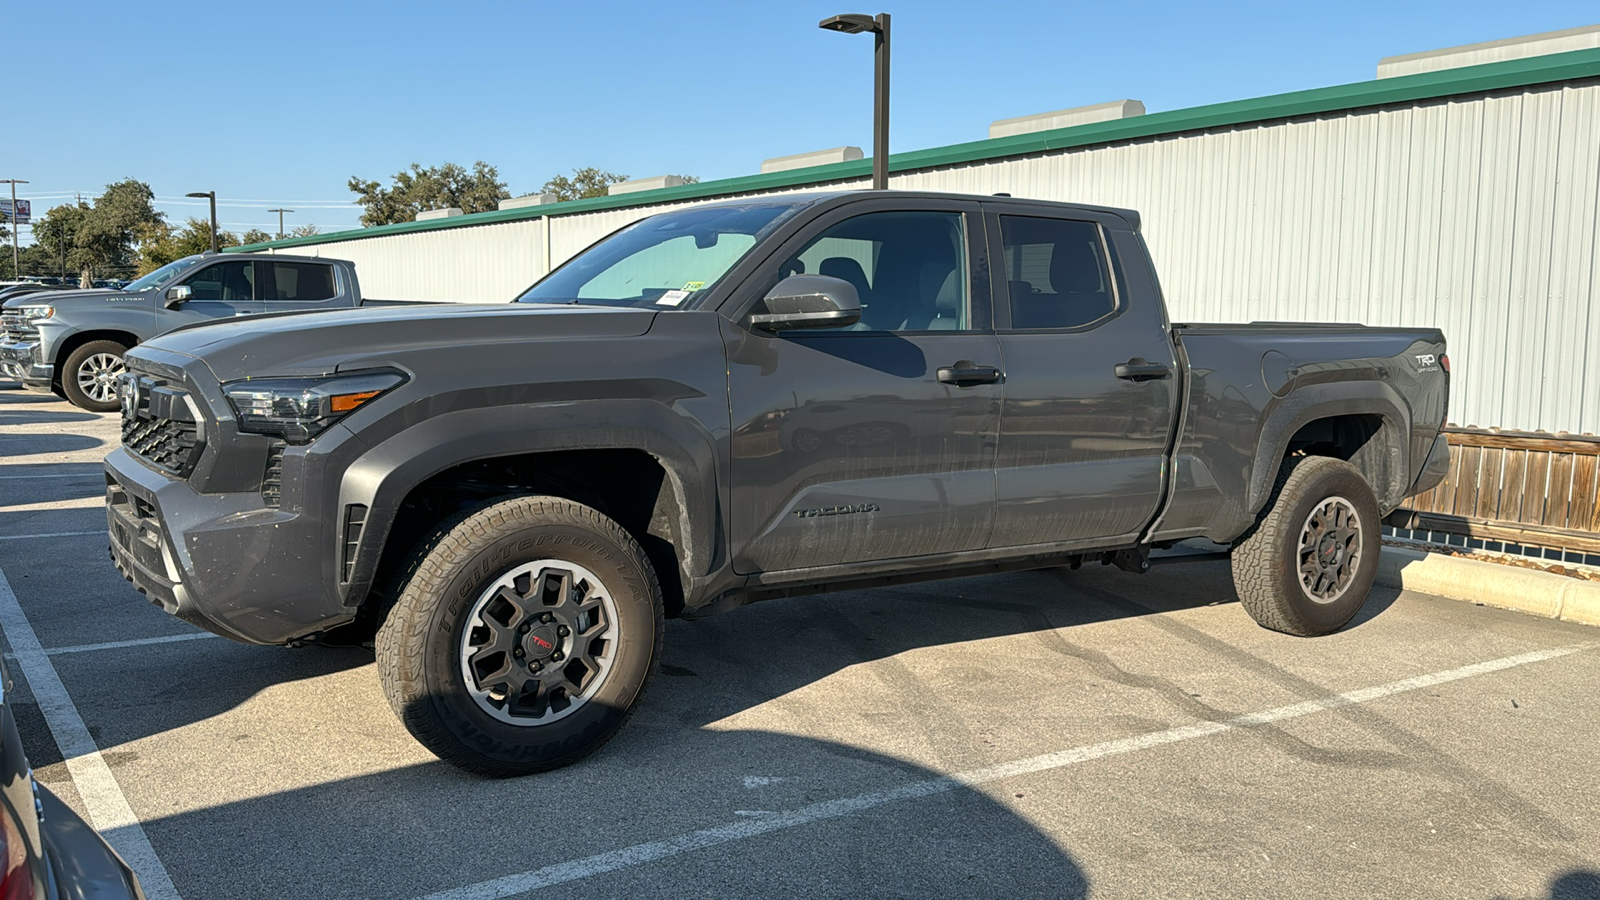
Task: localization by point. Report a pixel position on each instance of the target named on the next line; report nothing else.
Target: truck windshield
(662, 262)
(165, 274)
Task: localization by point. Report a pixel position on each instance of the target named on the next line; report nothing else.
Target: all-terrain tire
(516, 573)
(1309, 564)
(88, 377)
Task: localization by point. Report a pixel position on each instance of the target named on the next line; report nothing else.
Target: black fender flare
(1308, 403)
(384, 475)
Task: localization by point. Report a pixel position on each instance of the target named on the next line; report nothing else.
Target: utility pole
(280, 213)
(13, 182)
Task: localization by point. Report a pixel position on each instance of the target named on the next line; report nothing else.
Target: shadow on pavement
(425, 828)
(44, 417)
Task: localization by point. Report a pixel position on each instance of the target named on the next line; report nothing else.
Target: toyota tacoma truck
(73, 342)
(738, 401)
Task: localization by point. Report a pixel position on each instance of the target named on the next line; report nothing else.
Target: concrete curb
(1507, 587)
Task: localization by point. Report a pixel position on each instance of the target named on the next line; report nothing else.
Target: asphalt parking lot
(1046, 734)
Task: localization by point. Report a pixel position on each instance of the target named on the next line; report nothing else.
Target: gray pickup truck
(72, 342)
(738, 401)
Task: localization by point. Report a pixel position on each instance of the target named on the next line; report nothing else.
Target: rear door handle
(1137, 369)
(966, 373)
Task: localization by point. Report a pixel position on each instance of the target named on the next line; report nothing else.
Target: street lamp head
(199, 193)
(849, 23)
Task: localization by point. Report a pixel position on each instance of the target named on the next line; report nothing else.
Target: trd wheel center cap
(540, 642)
(1331, 554)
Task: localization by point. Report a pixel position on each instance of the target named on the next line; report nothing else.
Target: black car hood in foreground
(296, 344)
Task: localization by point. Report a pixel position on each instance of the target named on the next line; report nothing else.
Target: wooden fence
(1529, 488)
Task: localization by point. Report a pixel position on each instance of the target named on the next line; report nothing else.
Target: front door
(1091, 381)
(850, 444)
(222, 290)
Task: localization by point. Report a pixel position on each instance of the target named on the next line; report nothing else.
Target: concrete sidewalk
(1506, 587)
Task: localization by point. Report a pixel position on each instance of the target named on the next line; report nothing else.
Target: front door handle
(966, 373)
(1137, 369)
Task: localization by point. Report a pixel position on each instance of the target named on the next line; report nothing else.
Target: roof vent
(1066, 118)
(448, 213)
(1491, 52)
(807, 160)
(644, 184)
(529, 200)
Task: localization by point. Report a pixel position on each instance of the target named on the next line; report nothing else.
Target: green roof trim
(1536, 70)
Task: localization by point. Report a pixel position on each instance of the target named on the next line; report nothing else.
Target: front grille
(272, 480)
(15, 328)
(158, 425)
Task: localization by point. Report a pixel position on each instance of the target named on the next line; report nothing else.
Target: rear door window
(1056, 272)
(302, 281)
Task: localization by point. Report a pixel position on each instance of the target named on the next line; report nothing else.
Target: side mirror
(177, 295)
(809, 301)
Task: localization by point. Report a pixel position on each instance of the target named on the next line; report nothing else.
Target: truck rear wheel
(89, 376)
(1310, 563)
(523, 638)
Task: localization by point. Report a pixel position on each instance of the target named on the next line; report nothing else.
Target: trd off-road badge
(1427, 362)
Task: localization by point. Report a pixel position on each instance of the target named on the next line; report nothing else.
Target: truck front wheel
(523, 637)
(1310, 563)
(89, 377)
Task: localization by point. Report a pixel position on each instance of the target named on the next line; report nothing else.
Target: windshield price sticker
(693, 285)
(672, 298)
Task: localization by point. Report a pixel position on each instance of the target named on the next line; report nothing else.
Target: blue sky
(279, 103)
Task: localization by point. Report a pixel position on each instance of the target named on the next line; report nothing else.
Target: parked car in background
(47, 851)
(72, 342)
(744, 400)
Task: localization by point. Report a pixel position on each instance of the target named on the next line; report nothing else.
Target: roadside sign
(24, 211)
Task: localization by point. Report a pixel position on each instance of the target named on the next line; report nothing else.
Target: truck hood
(59, 298)
(322, 342)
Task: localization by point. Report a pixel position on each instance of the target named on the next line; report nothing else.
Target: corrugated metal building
(1465, 198)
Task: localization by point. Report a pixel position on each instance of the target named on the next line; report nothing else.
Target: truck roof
(811, 198)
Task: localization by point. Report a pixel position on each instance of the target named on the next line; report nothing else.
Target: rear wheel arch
(1365, 424)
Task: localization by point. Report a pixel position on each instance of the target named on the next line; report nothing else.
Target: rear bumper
(1434, 469)
(85, 866)
(223, 562)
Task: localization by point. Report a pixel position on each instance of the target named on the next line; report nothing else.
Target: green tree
(307, 230)
(255, 236)
(104, 238)
(436, 187)
(56, 247)
(161, 243)
(584, 183)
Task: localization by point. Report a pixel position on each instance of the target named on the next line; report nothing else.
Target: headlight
(37, 312)
(299, 409)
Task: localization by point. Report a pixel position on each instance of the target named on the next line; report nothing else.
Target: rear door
(222, 290)
(1091, 394)
(301, 286)
(850, 444)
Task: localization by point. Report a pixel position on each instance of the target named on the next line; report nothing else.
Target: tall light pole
(855, 23)
(280, 213)
(15, 273)
(213, 196)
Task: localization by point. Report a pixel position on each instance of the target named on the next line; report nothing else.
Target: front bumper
(20, 360)
(224, 562)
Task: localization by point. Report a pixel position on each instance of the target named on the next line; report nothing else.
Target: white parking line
(136, 642)
(52, 534)
(108, 807)
(639, 854)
